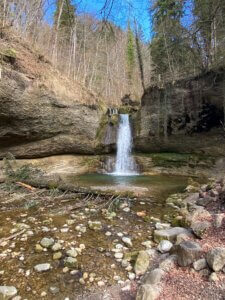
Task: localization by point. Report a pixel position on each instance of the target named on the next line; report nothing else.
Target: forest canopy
(186, 38)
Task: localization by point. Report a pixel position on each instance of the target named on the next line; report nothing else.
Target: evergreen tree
(169, 46)
(67, 17)
(130, 54)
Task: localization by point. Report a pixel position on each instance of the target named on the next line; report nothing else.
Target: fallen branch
(12, 236)
(26, 186)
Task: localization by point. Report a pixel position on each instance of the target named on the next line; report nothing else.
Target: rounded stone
(47, 242)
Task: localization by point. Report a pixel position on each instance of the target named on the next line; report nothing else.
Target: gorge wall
(184, 117)
(41, 112)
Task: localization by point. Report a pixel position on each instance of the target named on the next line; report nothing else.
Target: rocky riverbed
(66, 245)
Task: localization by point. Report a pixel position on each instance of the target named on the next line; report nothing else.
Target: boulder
(216, 259)
(164, 246)
(142, 263)
(168, 263)
(154, 276)
(199, 228)
(7, 292)
(169, 234)
(200, 264)
(148, 292)
(187, 252)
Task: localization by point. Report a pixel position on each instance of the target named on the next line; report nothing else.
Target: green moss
(9, 53)
(114, 120)
(126, 109)
(170, 159)
(102, 127)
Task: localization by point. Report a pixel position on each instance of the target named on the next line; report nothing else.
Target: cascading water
(125, 164)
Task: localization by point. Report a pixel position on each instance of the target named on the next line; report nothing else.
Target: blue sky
(121, 11)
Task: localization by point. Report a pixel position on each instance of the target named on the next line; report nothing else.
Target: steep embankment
(42, 113)
(185, 116)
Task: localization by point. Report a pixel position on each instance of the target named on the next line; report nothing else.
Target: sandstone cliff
(42, 113)
(186, 116)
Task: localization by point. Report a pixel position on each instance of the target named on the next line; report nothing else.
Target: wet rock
(142, 263)
(187, 252)
(7, 292)
(42, 267)
(160, 226)
(38, 248)
(118, 255)
(72, 252)
(81, 228)
(21, 226)
(70, 262)
(200, 228)
(54, 290)
(216, 259)
(70, 222)
(147, 244)
(127, 241)
(169, 234)
(57, 255)
(200, 264)
(95, 225)
(47, 242)
(154, 276)
(56, 247)
(148, 292)
(164, 246)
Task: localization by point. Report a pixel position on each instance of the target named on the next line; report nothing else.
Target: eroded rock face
(182, 117)
(37, 120)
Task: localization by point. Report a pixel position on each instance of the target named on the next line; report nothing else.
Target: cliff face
(185, 117)
(41, 112)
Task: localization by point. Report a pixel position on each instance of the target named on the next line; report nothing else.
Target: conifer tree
(130, 54)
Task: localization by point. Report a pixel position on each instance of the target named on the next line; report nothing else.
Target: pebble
(64, 230)
(56, 247)
(131, 276)
(54, 290)
(65, 270)
(57, 255)
(101, 283)
(81, 280)
(72, 252)
(47, 242)
(6, 292)
(127, 241)
(118, 255)
(213, 277)
(70, 261)
(108, 233)
(42, 267)
(120, 234)
(147, 244)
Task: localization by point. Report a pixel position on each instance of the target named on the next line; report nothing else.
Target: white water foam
(125, 164)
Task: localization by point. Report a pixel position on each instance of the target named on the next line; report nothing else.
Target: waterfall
(125, 164)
